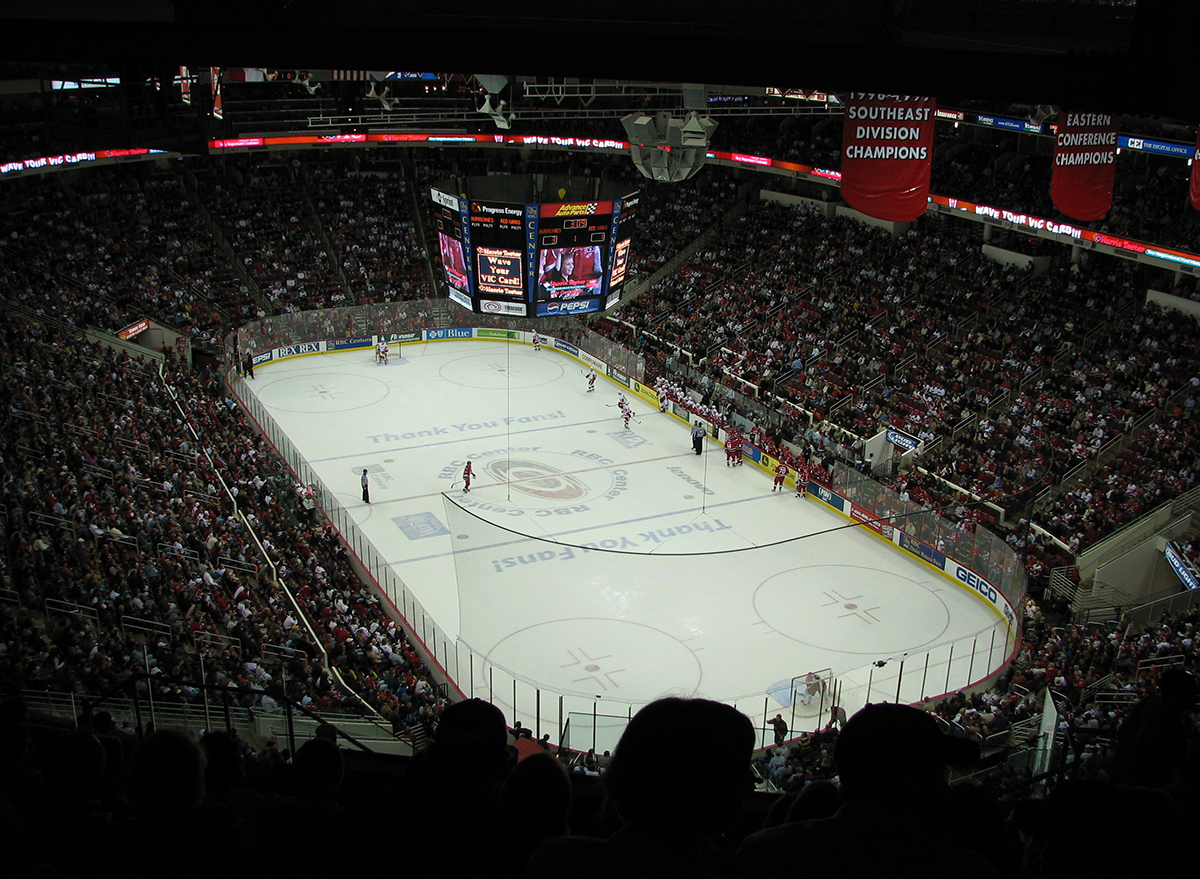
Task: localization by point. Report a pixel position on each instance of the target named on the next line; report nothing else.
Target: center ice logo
(537, 480)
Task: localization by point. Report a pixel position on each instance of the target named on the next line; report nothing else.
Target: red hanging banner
(1194, 189)
(1085, 164)
(887, 152)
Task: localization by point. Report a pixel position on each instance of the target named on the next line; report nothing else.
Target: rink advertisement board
(484, 333)
(299, 350)
(345, 344)
(827, 497)
(754, 453)
(618, 376)
(983, 588)
(451, 333)
(922, 551)
(566, 346)
(679, 412)
(400, 337)
(646, 393)
(868, 518)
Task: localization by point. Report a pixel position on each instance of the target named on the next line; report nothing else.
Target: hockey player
(591, 377)
(621, 401)
(381, 352)
(813, 685)
(803, 474)
(733, 450)
(467, 474)
(537, 341)
(781, 473)
(627, 413)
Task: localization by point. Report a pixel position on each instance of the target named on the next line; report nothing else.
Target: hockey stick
(611, 405)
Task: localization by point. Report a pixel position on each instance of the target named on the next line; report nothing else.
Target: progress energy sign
(887, 153)
(1085, 164)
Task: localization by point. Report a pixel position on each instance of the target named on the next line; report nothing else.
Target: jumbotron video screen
(532, 246)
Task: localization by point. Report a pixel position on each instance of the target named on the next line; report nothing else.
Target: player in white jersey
(537, 341)
(381, 352)
(591, 377)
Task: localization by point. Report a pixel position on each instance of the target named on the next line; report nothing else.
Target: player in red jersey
(467, 474)
(733, 450)
(781, 473)
(803, 474)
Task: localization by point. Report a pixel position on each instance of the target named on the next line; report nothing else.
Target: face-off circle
(325, 393)
(834, 607)
(501, 371)
(613, 659)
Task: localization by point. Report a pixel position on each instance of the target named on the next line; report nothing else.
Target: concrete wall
(1166, 300)
(825, 207)
(1012, 258)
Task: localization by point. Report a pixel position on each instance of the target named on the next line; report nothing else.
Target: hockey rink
(613, 564)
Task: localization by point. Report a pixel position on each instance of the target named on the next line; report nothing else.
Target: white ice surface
(556, 472)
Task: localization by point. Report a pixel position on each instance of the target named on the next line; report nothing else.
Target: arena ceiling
(1129, 56)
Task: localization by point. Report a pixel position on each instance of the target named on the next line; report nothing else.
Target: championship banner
(1085, 164)
(217, 109)
(887, 152)
(1194, 189)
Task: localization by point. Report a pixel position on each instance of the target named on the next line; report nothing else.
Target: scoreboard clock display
(534, 258)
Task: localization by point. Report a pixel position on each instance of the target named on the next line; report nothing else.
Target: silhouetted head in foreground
(681, 763)
(887, 750)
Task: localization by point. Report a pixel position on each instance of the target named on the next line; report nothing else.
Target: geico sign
(980, 585)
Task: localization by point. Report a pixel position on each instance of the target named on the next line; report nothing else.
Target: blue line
(542, 427)
(521, 538)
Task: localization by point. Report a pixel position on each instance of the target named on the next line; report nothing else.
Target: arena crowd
(153, 540)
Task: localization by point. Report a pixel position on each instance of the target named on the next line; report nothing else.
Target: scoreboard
(534, 259)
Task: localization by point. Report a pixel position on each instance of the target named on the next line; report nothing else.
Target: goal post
(812, 697)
